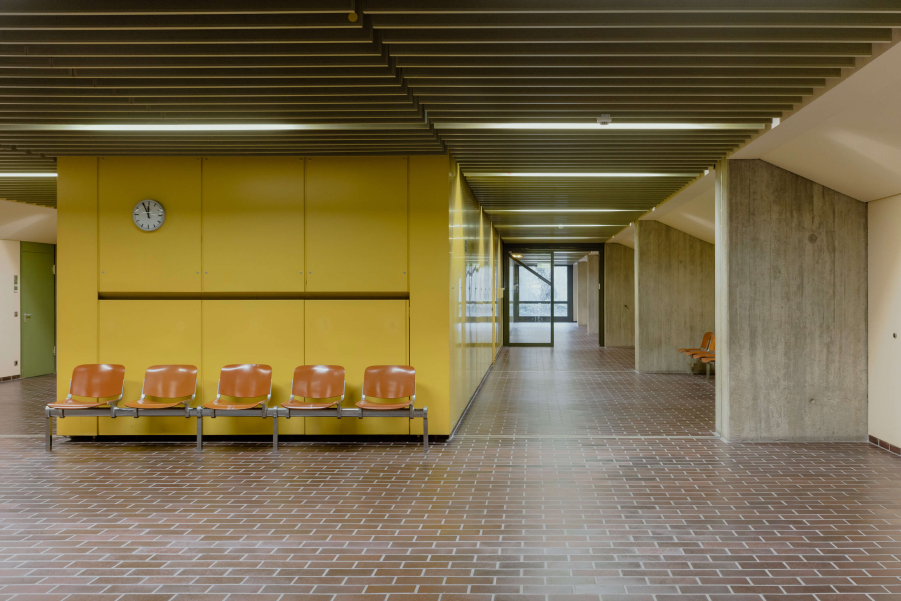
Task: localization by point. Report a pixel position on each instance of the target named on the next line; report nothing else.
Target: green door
(38, 309)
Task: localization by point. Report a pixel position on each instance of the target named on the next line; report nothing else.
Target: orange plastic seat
(707, 353)
(705, 344)
(98, 381)
(711, 359)
(247, 381)
(172, 383)
(316, 382)
(388, 382)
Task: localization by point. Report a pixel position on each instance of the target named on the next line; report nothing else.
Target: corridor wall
(278, 260)
(884, 319)
(474, 314)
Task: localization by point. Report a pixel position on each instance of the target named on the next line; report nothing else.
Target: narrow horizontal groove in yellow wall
(255, 296)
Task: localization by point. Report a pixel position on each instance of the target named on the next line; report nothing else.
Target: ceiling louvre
(413, 77)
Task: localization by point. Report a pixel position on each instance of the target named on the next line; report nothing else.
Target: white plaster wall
(10, 324)
(884, 319)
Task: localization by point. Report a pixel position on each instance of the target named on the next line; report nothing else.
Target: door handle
(25, 316)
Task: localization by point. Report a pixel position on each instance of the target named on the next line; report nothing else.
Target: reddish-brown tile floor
(485, 519)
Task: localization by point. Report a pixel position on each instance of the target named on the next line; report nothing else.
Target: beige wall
(884, 217)
(10, 322)
(619, 295)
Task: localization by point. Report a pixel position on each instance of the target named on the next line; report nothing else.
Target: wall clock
(149, 215)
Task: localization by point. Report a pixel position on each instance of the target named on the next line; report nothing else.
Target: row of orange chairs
(706, 353)
(246, 386)
(172, 385)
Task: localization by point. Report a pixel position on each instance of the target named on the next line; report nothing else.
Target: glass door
(530, 306)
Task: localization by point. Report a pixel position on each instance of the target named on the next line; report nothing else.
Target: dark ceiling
(395, 76)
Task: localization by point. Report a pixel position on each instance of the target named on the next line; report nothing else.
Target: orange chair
(705, 345)
(170, 384)
(99, 382)
(313, 382)
(247, 381)
(711, 350)
(393, 382)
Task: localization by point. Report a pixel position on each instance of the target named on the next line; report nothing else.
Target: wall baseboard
(885, 445)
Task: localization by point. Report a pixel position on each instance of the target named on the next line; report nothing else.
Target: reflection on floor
(530, 332)
(22, 404)
(546, 517)
(576, 388)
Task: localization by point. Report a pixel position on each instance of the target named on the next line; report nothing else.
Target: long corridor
(572, 478)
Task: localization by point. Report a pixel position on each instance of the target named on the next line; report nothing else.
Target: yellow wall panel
(141, 333)
(132, 260)
(356, 224)
(253, 224)
(76, 278)
(429, 282)
(252, 331)
(356, 334)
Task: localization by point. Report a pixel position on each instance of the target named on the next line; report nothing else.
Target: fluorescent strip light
(554, 238)
(208, 127)
(493, 211)
(498, 174)
(598, 126)
(556, 225)
(27, 175)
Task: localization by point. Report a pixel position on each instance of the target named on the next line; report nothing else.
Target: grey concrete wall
(619, 295)
(583, 294)
(593, 310)
(791, 307)
(674, 296)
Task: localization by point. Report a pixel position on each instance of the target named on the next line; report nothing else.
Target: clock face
(149, 215)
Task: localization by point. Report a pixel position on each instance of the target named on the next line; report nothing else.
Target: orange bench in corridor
(172, 390)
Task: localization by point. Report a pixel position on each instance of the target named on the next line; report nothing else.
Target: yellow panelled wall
(356, 224)
(278, 260)
(76, 278)
(138, 334)
(356, 334)
(132, 260)
(472, 294)
(253, 226)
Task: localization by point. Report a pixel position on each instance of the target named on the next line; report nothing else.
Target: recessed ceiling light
(493, 211)
(599, 127)
(555, 225)
(209, 127)
(552, 238)
(592, 174)
(27, 175)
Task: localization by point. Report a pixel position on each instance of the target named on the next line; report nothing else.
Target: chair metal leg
(48, 442)
(199, 433)
(274, 433)
(707, 380)
(425, 433)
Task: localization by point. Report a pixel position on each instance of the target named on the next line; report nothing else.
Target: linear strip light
(212, 127)
(598, 126)
(493, 211)
(27, 175)
(556, 225)
(554, 238)
(598, 174)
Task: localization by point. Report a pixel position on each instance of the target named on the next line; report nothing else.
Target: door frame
(553, 247)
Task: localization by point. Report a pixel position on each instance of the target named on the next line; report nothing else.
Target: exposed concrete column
(575, 298)
(674, 296)
(791, 307)
(592, 288)
(619, 295)
(583, 293)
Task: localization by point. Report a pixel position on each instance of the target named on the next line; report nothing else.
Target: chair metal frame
(201, 412)
(51, 412)
(408, 412)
